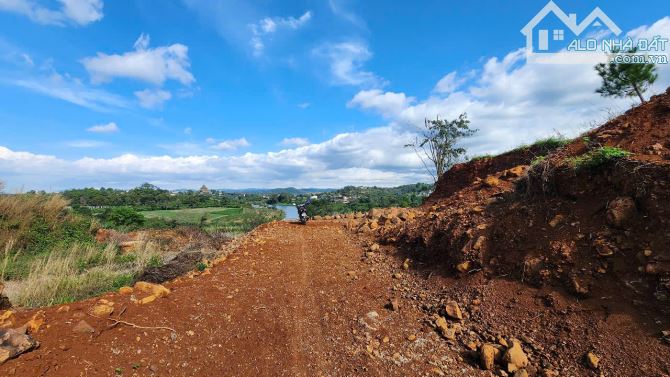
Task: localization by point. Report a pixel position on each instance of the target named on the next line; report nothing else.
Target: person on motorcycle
(302, 210)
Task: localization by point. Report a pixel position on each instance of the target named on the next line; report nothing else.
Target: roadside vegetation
(49, 253)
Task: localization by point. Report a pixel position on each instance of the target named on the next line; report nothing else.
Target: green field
(234, 220)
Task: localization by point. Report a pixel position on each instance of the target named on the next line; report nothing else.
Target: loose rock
(453, 310)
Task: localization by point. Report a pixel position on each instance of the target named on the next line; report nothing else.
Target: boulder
(82, 327)
(14, 342)
(453, 310)
(488, 355)
(154, 289)
(103, 309)
(515, 358)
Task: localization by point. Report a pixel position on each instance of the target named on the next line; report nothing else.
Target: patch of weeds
(481, 157)
(549, 144)
(155, 261)
(201, 266)
(598, 158)
(538, 160)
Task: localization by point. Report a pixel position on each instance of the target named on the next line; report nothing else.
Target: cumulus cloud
(76, 12)
(153, 98)
(294, 141)
(372, 157)
(152, 65)
(108, 128)
(230, 145)
(512, 101)
(346, 60)
(269, 25)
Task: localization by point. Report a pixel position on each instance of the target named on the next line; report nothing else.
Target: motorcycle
(302, 210)
(302, 213)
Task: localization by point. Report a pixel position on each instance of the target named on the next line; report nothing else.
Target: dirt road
(314, 300)
(293, 300)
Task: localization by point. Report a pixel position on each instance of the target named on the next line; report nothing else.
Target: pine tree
(625, 79)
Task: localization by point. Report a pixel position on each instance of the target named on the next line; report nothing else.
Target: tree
(625, 79)
(2, 186)
(438, 143)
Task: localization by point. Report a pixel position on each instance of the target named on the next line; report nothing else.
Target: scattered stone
(479, 244)
(557, 220)
(463, 267)
(394, 305)
(521, 373)
(34, 323)
(82, 327)
(592, 360)
(154, 289)
(445, 330)
(579, 287)
(374, 247)
(405, 264)
(647, 253)
(515, 358)
(453, 310)
(126, 290)
(63, 309)
(411, 338)
(491, 181)
(603, 248)
(14, 342)
(102, 309)
(397, 275)
(620, 211)
(488, 355)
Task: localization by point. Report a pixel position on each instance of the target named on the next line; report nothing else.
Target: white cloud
(389, 104)
(346, 60)
(85, 144)
(70, 89)
(338, 9)
(304, 105)
(153, 65)
(231, 145)
(513, 102)
(270, 25)
(451, 81)
(295, 141)
(108, 128)
(77, 12)
(153, 98)
(372, 157)
(188, 131)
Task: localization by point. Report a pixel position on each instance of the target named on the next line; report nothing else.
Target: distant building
(204, 190)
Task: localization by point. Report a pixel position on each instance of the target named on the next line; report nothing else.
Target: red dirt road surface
(315, 300)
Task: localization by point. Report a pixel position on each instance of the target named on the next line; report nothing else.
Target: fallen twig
(117, 321)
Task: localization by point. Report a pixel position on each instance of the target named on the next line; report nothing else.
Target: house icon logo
(541, 34)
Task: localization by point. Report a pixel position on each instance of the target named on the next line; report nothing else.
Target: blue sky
(276, 93)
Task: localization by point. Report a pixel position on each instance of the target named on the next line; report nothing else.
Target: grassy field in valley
(234, 220)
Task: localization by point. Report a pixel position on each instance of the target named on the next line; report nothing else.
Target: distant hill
(286, 190)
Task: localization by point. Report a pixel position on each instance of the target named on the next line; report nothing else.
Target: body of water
(290, 212)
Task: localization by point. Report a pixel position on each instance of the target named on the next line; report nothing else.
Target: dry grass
(19, 212)
(81, 271)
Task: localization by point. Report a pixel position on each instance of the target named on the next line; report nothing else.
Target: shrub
(124, 218)
(598, 158)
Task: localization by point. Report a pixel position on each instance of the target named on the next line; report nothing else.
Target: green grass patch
(598, 158)
(233, 219)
